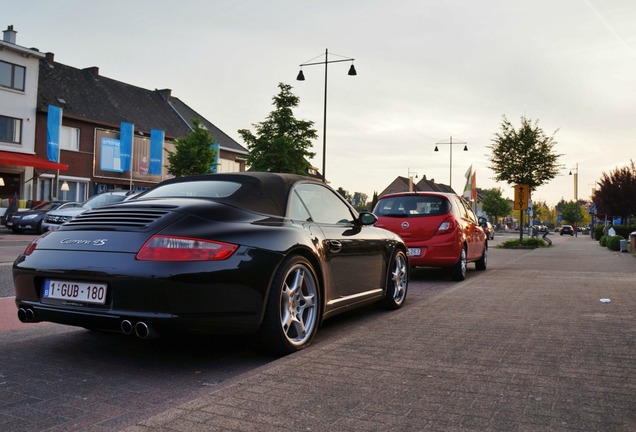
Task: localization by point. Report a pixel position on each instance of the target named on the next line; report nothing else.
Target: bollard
(623, 245)
(632, 242)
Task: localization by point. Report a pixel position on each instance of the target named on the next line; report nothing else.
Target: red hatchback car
(440, 230)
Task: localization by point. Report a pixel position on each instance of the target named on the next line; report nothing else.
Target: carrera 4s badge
(96, 242)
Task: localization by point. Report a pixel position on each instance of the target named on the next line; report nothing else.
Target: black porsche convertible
(264, 254)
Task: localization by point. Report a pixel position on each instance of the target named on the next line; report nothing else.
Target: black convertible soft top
(260, 192)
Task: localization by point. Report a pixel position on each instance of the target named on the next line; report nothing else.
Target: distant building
(94, 110)
(18, 100)
(403, 184)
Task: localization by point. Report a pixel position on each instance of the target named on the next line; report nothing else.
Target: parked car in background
(32, 219)
(257, 254)
(55, 218)
(567, 229)
(440, 230)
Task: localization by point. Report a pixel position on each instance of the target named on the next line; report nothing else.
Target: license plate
(415, 251)
(75, 291)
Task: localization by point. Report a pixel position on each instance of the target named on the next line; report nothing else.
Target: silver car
(55, 218)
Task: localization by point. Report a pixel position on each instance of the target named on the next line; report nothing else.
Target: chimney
(166, 93)
(9, 35)
(93, 69)
(50, 57)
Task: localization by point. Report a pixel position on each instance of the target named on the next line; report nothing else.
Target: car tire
(38, 228)
(458, 271)
(397, 281)
(292, 313)
(17, 230)
(482, 262)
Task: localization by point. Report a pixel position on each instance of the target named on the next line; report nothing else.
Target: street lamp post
(576, 196)
(576, 182)
(451, 144)
(301, 77)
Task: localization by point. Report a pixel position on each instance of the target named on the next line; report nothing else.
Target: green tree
(374, 201)
(524, 156)
(616, 195)
(281, 142)
(540, 211)
(358, 199)
(494, 204)
(193, 153)
(572, 213)
(345, 194)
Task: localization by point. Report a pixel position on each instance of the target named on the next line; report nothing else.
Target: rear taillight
(34, 244)
(448, 226)
(170, 248)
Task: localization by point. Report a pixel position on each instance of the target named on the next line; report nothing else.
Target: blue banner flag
(53, 126)
(156, 152)
(126, 134)
(215, 163)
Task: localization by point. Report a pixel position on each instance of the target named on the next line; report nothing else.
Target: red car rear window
(412, 206)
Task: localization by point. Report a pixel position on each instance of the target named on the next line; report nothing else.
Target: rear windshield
(412, 206)
(198, 189)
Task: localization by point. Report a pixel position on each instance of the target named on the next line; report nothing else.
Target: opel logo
(405, 225)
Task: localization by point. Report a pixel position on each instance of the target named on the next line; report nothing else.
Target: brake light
(170, 248)
(34, 244)
(448, 226)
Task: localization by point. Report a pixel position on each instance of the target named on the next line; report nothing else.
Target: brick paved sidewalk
(527, 346)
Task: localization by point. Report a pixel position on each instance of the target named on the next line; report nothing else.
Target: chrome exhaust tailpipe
(144, 331)
(22, 315)
(126, 327)
(26, 315)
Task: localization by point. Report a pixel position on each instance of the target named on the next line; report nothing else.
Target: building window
(12, 76)
(69, 138)
(78, 190)
(10, 129)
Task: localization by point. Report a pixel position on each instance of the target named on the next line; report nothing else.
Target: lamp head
(352, 71)
(301, 76)
(436, 149)
(465, 148)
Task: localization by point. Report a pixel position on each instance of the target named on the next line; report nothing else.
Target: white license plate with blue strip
(75, 291)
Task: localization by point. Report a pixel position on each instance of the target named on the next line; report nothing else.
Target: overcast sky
(427, 70)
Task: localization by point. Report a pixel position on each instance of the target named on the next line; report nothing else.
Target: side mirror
(366, 218)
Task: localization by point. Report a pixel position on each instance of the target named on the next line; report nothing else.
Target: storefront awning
(22, 159)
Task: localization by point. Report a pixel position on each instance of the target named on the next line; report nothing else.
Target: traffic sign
(522, 193)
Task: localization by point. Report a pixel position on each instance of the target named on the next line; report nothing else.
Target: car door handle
(334, 246)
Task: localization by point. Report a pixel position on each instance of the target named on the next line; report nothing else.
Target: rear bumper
(114, 320)
(435, 255)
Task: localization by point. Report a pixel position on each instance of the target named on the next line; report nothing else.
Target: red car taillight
(170, 248)
(448, 226)
(34, 244)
